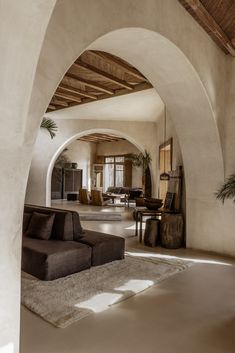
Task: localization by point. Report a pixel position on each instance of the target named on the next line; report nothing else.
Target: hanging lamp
(164, 176)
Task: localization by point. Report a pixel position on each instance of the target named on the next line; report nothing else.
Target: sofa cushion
(105, 247)
(26, 218)
(48, 260)
(40, 226)
(78, 231)
(63, 227)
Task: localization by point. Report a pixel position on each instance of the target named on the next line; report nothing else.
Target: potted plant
(227, 189)
(142, 160)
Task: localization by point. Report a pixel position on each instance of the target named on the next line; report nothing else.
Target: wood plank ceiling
(217, 17)
(96, 75)
(98, 137)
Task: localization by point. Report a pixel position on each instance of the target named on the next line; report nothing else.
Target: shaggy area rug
(63, 301)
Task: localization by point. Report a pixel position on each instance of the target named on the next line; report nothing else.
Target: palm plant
(227, 189)
(50, 126)
(142, 159)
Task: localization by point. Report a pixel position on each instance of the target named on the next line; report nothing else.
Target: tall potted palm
(227, 189)
(142, 160)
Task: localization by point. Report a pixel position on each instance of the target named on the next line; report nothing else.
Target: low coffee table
(114, 197)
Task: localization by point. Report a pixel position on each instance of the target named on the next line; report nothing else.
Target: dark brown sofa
(69, 248)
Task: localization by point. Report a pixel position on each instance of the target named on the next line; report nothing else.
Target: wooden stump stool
(171, 230)
(151, 233)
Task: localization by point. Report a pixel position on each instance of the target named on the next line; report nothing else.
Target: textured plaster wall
(143, 135)
(83, 153)
(229, 120)
(20, 43)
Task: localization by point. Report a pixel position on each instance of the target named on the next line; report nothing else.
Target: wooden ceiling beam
(91, 84)
(78, 63)
(115, 62)
(76, 91)
(97, 139)
(59, 102)
(67, 96)
(120, 92)
(52, 107)
(197, 10)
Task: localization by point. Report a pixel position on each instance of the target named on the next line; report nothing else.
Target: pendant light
(164, 176)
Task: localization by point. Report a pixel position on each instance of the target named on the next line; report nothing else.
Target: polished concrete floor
(191, 312)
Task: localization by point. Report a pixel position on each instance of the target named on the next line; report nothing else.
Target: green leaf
(227, 189)
(50, 126)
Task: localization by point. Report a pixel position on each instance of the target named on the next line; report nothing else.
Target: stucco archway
(189, 106)
(73, 138)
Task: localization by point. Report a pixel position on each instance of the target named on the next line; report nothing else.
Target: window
(114, 171)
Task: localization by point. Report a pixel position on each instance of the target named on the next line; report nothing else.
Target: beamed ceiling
(98, 137)
(217, 17)
(96, 75)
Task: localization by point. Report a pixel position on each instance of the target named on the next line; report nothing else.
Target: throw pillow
(26, 219)
(40, 226)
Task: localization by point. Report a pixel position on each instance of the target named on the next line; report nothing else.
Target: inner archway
(77, 136)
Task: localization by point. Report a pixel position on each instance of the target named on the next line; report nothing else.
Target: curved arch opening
(188, 105)
(74, 138)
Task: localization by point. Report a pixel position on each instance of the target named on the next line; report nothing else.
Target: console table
(141, 212)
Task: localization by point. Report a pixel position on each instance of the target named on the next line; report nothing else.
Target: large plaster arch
(188, 103)
(73, 138)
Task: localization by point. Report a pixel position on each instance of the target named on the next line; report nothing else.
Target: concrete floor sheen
(191, 312)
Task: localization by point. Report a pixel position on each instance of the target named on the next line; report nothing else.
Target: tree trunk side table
(172, 230)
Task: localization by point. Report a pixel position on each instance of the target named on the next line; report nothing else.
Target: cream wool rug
(63, 301)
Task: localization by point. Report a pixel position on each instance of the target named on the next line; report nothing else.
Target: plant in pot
(227, 189)
(141, 160)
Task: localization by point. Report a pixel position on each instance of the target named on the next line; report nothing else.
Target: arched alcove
(189, 107)
(75, 137)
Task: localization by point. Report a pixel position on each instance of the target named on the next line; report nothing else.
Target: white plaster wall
(229, 122)
(21, 39)
(142, 135)
(119, 148)
(83, 153)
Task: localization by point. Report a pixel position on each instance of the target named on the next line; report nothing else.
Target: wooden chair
(97, 198)
(84, 196)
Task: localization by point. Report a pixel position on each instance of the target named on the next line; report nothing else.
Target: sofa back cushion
(78, 232)
(26, 218)
(40, 226)
(66, 225)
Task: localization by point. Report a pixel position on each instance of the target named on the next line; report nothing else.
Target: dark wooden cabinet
(65, 181)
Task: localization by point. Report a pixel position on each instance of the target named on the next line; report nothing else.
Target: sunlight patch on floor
(135, 285)
(100, 302)
(170, 257)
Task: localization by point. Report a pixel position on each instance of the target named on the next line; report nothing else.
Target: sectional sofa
(55, 245)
